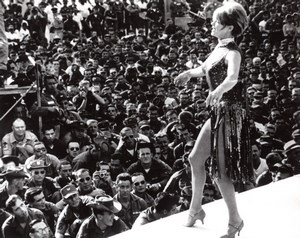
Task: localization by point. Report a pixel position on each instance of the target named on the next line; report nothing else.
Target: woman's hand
(214, 98)
(182, 79)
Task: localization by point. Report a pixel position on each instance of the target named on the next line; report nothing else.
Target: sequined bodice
(217, 72)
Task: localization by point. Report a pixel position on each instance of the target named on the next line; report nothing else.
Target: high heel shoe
(192, 218)
(234, 230)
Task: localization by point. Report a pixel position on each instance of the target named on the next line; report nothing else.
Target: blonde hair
(232, 14)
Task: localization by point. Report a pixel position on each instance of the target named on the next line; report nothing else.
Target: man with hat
(78, 133)
(14, 184)
(74, 213)
(40, 153)
(103, 222)
(92, 128)
(296, 136)
(144, 128)
(37, 170)
(26, 71)
(282, 171)
(292, 153)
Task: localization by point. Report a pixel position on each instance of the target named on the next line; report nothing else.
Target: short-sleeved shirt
(89, 228)
(9, 144)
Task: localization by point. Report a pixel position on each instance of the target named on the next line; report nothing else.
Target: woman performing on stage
(223, 138)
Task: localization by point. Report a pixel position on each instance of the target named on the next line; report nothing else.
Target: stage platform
(272, 211)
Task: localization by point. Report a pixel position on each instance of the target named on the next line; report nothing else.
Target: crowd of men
(105, 146)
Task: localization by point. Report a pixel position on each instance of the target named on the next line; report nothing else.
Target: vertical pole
(3, 43)
(38, 95)
(167, 4)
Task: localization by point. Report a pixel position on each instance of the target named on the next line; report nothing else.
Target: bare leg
(198, 156)
(226, 187)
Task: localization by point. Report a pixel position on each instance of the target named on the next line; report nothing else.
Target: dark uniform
(275, 28)
(119, 8)
(95, 22)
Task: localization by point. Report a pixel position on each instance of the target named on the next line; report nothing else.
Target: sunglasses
(39, 172)
(127, 137)
(74, 148)
(66, 170)
(87, 179)
(139, 183)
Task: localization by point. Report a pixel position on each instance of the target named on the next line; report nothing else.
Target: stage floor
(272, 211)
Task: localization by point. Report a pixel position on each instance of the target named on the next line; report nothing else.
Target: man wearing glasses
(40, 153)
(39, 229)
(73, 213)
(140, 188)
(156, 172)
(85, 184)
(126, 153)
(73, 149)
(37, 170)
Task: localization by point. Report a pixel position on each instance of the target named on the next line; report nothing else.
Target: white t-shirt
(261, 168)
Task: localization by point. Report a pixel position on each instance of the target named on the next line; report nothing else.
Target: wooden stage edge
(271, 211)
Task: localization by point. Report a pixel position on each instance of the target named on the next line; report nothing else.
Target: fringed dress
(230, 117)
